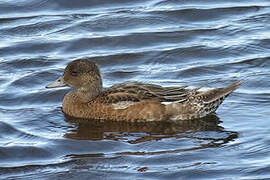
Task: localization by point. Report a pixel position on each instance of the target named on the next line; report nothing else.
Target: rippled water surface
(209, 43)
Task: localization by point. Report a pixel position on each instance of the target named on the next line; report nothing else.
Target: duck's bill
(57, 83)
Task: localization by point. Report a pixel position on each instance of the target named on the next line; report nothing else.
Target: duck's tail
(210, 100)
(213, 95)
(200, 104)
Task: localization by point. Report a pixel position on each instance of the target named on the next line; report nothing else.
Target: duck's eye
(74, 72)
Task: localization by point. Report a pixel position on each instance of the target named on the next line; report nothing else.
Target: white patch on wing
(123, 104)
(166, 103)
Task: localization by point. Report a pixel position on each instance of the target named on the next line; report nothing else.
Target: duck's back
(145, 91)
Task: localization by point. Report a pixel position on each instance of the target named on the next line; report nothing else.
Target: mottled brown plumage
(133, 101)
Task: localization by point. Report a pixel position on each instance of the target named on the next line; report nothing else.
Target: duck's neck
(76, 102)
(89, 93)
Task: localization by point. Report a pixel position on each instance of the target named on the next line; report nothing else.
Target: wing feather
(145, 91)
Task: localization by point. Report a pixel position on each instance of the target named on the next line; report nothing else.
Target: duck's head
(81, 74)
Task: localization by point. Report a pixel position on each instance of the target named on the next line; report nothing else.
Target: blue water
(195, 43)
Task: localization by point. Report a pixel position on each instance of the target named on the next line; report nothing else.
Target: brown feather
(145, 91)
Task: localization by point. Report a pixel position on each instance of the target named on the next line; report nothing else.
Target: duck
(133, 101)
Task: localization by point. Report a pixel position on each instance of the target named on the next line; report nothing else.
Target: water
(209, 43)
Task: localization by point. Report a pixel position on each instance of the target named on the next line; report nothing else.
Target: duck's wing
(144, 91)
(126, 94)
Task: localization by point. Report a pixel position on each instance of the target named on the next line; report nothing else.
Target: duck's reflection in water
(205, 129)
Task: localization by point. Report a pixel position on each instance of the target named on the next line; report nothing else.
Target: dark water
(210, 43)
